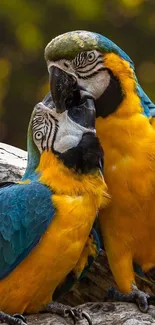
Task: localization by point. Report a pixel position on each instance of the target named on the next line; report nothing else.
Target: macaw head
(82, 63)
(51, 131)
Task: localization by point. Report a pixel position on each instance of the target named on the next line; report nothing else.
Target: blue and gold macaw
(46, 219)
(80, 64)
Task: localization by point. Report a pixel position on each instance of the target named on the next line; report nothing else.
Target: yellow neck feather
(63, 180)
(127, 126)
(125, 74)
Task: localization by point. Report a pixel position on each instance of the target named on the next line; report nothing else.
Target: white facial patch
(96, 85)
(69, 133)
(55, 130)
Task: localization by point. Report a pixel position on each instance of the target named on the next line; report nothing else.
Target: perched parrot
(80, 64)
(46, 218)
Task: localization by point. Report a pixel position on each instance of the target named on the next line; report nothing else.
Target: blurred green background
(26, 26)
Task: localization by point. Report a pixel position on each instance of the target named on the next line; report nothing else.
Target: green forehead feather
(68, 45)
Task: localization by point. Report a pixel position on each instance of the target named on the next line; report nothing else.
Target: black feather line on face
(55, 131)
(91, 74)
(85, 157)
(81, 70)
(49, 134)
(44, 123)
(111, 98)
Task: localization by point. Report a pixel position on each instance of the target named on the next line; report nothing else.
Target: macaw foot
(76, 314)
(16, 319)
(137, 296)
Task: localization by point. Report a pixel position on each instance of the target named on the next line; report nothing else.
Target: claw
(78, 314)
(70, 312)
(19, 316)
(88, 318)
(141, 298)
(17, 319)
(66, 311)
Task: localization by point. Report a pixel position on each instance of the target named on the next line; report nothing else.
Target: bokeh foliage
(26, 26)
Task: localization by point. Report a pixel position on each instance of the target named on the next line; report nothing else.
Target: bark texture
(90, 292)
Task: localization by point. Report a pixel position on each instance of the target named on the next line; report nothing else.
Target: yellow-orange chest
(129, 171)
(31, 285)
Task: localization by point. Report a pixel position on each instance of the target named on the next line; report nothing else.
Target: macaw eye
(91, 56)
(38, 135)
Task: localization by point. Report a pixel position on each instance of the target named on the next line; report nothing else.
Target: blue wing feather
(26, 210)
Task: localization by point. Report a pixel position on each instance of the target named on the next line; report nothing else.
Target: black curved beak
(66, 95)
(63, 88)
(84, 114)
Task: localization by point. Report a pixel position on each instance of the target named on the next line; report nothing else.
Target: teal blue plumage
(19, 235)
